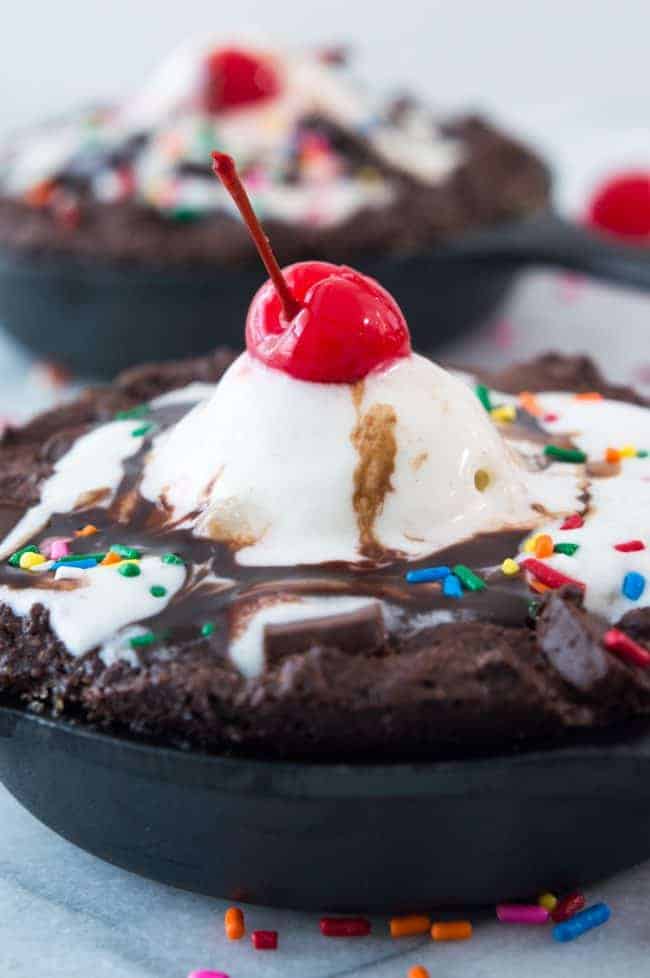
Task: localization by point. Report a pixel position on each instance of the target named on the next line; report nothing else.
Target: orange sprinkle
(418, 971)
(452, 930)
(40, 194)
(111, 558)
(407, 926)
(543, 545)
(538, 586)
(589, 396)
(612, 455)
(530, 403)
(234, 924)
(87, 531)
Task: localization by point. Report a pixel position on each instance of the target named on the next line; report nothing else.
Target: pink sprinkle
(550, 417)
(208, 974)
(58, 549)
(516, 913)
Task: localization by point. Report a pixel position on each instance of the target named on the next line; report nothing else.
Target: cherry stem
(223, 166)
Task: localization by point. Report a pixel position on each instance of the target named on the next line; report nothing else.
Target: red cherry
(348, 325)
(235, 78)
(622, 205)
(316, 321)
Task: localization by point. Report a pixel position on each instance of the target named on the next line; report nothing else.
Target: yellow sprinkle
(510, 566)
(507, 412)
(530, 543)
(31, 560)
(628, 451)
(548, 901)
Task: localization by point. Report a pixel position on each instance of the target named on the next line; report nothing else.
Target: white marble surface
(65, 914)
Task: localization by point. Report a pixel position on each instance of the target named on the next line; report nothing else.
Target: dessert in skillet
(329, 545)
(332, 170)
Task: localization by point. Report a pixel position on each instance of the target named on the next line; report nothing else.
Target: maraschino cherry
(314, 320)
(234, 78)
(622, 205)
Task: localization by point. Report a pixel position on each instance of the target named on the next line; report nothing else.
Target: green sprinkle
(135, 412)
(469, 580)
(158, 591)
(566, 548)
(184, 215)
(128, 553)
(565, 454)
(14, 560)
(128, 570)
(642, 454)
(142, 430)
(172, 559)
(483, 394)
(207, 629)
(533, 608)
(140, 641)
(69, 557)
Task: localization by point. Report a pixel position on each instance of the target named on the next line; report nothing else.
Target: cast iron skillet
(370, 837)
(99, 317)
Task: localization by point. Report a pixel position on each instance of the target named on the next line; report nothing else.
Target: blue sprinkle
(84, 563)
(633, 585)
(426, 574)
(587, 919)
(451, 587)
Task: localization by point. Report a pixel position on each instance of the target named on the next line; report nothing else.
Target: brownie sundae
(332, 170)
(330, 545)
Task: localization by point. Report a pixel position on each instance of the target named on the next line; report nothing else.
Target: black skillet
(369, 837)
(99, 317)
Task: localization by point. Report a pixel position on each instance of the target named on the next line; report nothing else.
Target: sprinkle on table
(521, 913)
(548, 575)
(568, 906)
(548, 900)
(583, 921)
(469, 580)
(426, 575)
(87, 531)
(128, 569)
(573, 522)
(629, 546)
(626, 648)
(207, 629)
(418, 971)
(234, 924)
(483, 394)
(409, 926)
(207, 974)
(345, 926)
(451, 930)
(264, 940)
(574, 455)
(568, 549)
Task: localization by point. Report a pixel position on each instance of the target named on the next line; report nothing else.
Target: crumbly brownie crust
(460, 686)
(498, 180)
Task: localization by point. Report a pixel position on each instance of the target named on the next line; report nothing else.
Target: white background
(570, 74)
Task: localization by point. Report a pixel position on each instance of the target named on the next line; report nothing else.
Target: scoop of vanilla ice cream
(291, 472)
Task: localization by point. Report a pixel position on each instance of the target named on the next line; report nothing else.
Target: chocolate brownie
(398, 669)
(330, 171)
